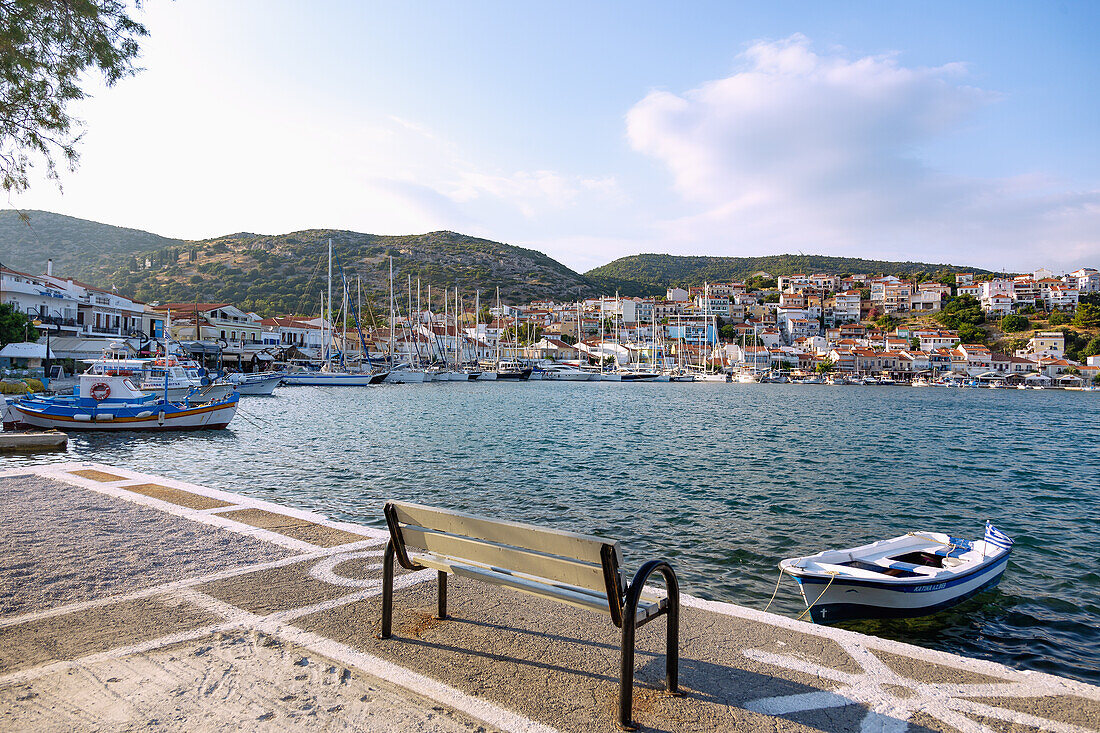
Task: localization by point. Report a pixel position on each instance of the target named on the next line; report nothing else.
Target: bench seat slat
(538, 539)
(528, 562)
(579, 597)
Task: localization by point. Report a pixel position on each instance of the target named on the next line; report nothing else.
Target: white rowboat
(912, 575)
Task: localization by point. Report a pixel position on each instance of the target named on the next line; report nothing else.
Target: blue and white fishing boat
(106, 402)
(912, 575)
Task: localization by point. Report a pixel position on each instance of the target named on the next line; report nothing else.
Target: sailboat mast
(328, 318)
(391, 313)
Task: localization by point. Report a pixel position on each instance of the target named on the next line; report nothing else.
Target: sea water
(724, 480)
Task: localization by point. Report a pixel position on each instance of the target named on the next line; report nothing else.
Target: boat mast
(391, 312)
(409, 295)
(653, 331)
(328, 352)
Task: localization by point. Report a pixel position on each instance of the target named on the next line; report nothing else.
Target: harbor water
(724, 480)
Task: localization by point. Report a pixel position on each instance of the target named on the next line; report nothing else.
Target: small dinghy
(912, 575)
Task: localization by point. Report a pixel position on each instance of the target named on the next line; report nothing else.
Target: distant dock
(128, 598)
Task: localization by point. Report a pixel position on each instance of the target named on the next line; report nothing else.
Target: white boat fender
(144, 413)
(82, 417)
(104, 416)
(160, 418)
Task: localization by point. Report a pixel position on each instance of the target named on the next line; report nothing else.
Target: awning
(26, 350)
(68, 347)
(200, 347)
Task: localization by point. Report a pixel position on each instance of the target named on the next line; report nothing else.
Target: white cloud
(823, 153)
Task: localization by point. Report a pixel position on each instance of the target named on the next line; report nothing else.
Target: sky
(933, 131)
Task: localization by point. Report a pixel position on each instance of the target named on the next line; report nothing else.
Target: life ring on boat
(100, 391)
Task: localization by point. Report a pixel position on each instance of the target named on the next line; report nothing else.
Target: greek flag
(996, 537)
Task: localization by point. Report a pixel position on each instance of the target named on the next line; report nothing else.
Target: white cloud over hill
(820, 152)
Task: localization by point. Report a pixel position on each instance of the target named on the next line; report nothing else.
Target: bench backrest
(551, 555)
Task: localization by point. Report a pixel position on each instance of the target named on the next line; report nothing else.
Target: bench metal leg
(672, 641)
(626, 677)
(672, 638)
(441, 606)
(387, 591)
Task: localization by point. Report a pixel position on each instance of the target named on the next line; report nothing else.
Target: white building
(1061, 296)
(1087, 280)
(40, 300)
(846, 307)
(998, 304)
(678, 295)
(102, 313)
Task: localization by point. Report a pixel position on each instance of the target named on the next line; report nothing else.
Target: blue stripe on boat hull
(831, 613)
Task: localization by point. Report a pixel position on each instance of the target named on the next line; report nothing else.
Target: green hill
(650, 274)
(283, 273)
(77, 246)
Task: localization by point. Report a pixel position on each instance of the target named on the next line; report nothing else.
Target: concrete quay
(130, 601)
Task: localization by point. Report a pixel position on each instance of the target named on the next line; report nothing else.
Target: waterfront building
(40, 300)
(212, 322)
(289, 331)
(105, 314)
(844, 359)
(973, 359)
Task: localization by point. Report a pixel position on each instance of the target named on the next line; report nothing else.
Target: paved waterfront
(132, 600)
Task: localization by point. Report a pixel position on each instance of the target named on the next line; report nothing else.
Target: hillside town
(858, 324)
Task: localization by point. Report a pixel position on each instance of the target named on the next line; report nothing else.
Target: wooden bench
(577, 569)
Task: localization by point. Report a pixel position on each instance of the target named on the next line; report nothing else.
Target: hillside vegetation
(649, 274)
(285, 273)
(77, 246)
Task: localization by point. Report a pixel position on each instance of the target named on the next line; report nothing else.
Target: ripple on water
(727, 481)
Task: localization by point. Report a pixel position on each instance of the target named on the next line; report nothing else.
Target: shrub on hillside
(1015, 323)
(1088, 316)
(971, 334)
(1058, 318)
(965, 309)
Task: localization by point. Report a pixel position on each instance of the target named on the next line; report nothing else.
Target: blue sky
(961, 132)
